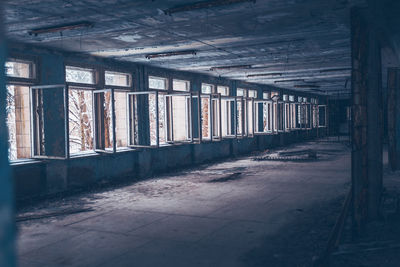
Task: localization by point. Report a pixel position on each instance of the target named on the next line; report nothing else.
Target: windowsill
(24, 162)
(84, 154)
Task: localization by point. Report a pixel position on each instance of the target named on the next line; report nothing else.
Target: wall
(7, 222)
(44, 177)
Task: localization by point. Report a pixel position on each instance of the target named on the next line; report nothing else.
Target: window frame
(326, 121)
(130, 79)
(34, 125)
(96, 75)
(35, 70)
(269, 109)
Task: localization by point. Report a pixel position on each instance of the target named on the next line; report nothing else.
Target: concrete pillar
(7, 227)
(366, 119)
(393, 115)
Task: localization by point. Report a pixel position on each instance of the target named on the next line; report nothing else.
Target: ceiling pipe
(287, 81)
(264, 74)
(231, 67)
(60, 28)
(170, 54)
(203, 5)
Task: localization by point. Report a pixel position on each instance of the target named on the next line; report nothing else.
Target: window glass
(291, 98)
(157, 83)
(241, 92)
(285, 98)
(79, 75)
(265, 95)
(18, 122)
(223, 90)
(20, 69)
(117, 79)
(253, 93)
(80, 120)
(206, 88)
(121, 123)
(179, 85)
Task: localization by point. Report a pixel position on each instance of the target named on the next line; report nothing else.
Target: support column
(366, 119)
(7, 227)
(393, 114)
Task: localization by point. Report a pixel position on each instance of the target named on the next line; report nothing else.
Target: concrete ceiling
(292, 39)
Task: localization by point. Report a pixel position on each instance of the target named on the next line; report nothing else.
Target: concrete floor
(234, 213)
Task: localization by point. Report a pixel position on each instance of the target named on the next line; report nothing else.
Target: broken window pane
(18, 122)
(80, 120)
(157, 83)
(79, 75)
(117, 79)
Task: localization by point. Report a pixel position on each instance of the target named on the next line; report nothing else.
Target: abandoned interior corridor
(199, 133)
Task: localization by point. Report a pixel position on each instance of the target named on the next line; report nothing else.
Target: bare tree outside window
(80, 120)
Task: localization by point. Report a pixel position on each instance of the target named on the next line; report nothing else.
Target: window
(274, 94)
(252, 93)
(121, 122)
(293, 117)
(205, 117)
(287, 117)
(207, 88)
(285, 98)
(180, 85)
(275, 116)
(103, 107)
(281, 116)
(266, 95)
(223, 90)
(20, 69)
(181, 116)
(263, 117)
(48, 128)
(158, 83)
(308, 115)
(80, 116)
(18, 108)
(291, 98)
(227, 116)
(79, 75)
(117, 79)
(241, 92)
(18, 122)
(250, 116)
(240, 115)
(322, 116)
(216, 118)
